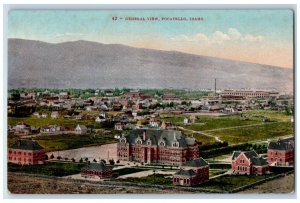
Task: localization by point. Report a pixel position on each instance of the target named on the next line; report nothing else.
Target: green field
(71, 141)
(49, 168)
(157, 179)
(125, 171)
(230, 182)
(257, 133)
(41, 122)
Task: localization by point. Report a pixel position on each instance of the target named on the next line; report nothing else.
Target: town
(205, 141)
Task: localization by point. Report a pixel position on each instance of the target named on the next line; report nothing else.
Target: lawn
(211, 123)
(257, 133)
(41, 122)
(49, 168)
(157, 179)
(230, 182)
(71, 141)
(125, 171)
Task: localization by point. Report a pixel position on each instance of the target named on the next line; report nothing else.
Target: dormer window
(123, 141)
(162, 143)
(149, 142)
(175, 144)
(138, 141)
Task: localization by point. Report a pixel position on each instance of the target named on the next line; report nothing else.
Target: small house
(96, 170)
(192, 173)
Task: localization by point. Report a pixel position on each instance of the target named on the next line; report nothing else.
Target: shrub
(111, 162)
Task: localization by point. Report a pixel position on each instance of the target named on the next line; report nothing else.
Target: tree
(81, 160)
(94, 160)
(102, 160)
(58, 157)
(111, 162)
(46, 157)
(73, 160)
(66, 158)
(52, 156)
(86, 159)
(118, 161)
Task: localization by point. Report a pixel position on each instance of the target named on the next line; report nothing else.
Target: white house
(44, 115)
(54, 114)
(81, 129)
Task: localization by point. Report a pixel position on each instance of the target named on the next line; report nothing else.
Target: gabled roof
(248, 154)
(282, 144)
(97, 167)
(26, 145)
(252, 156)
(199, 162)
(182, 172)
(156, 135)
(82, 127)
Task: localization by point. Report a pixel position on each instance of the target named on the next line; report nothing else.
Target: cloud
(219, 37)
(234, 33)
(251, 38)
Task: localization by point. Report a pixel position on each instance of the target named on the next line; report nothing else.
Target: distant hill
(84, 64)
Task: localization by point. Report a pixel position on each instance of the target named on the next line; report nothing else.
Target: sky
(256, 36)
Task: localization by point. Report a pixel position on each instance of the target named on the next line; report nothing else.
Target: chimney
(144, 135)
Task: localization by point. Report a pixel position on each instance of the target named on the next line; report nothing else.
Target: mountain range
(85, 64)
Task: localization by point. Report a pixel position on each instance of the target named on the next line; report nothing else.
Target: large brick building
(281, 152)
(157, 146)
(248, 162)
(26, 152)
(192, 173)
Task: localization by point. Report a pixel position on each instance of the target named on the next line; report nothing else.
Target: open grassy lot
(157, 179)
(41, 122)
(211, 123)
(71, 141)
(257, 133)
(230, 182)
(49, 168)
(125, 171)
(272, 115)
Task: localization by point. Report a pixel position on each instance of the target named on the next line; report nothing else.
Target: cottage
(192, 173)
(22, 129)
(157, 146)
(96, 170)
(54, 114)
(44, 115)
(81, 129)
(99, 120)
(119, 126)
(281, 152)
(51, 129)
(248, 162)
(26, 152)
(168, 126)
(155, 123)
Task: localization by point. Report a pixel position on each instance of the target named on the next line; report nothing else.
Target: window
(10, 151)
(24, 153)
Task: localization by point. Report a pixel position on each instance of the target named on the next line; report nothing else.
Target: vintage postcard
(150, 101)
